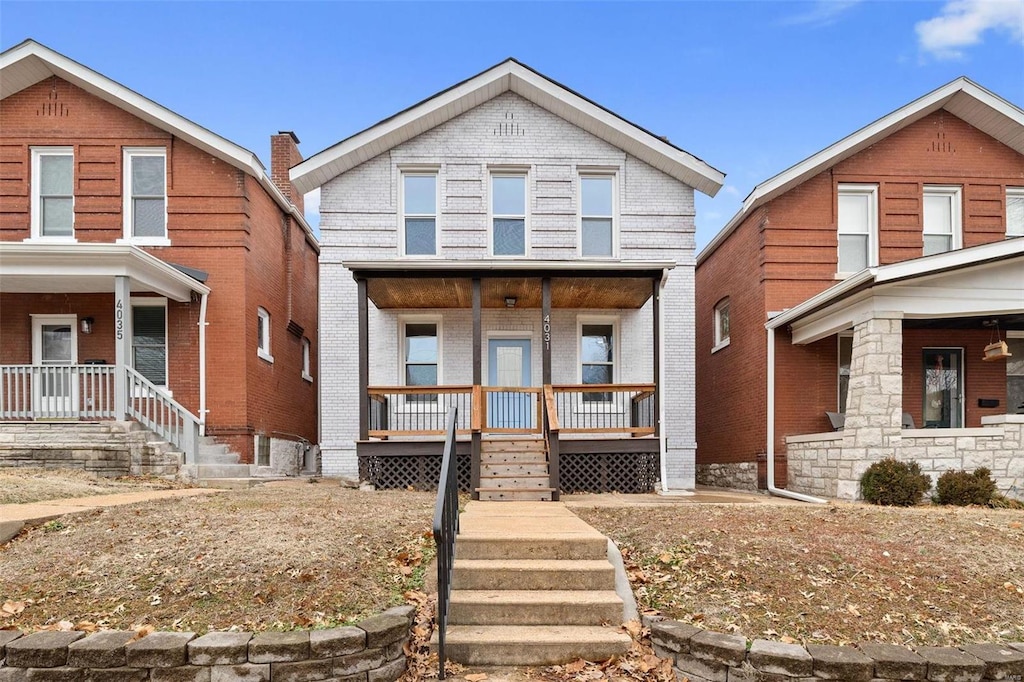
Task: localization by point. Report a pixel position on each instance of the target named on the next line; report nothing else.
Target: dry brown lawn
(18, 486)
(275, 557)
(835, 574)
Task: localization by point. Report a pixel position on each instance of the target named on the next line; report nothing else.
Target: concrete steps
(532, 585)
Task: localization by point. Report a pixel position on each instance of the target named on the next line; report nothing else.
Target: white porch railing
(57, 391)
(162, 415)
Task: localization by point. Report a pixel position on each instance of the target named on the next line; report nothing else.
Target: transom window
(597, 358)
(508, 214)
(419, 213)
(263, 335)
(1015, 211)
(858, 227)
(145, 194)
(721, 324)
(53, 192)
(149, 341)
(597, 221)
(421, 358)
(941, 219)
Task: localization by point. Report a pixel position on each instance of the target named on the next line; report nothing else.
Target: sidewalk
(13, 517)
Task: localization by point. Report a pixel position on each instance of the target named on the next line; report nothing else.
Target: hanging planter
(996, 351)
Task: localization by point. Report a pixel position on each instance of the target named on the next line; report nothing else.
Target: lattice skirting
(622, 472)
(420, 472)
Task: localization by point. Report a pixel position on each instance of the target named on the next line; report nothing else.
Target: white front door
(55, 352)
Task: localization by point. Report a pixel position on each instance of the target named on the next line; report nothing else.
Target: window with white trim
(597, 215)
(1015, 211)
(508, 214)
(421, 357)
(53, 192)
(145, 195)
(857, 227)
(942, 219)
(305, 360)
(597, 357)
(721, 324)
(263, 335)
(149, 339)
(845, 360)
(419, 213)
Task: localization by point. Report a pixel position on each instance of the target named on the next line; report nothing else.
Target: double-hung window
(419, 213)
(421, 358)
(597, 216)
(305, 361)
(941, 219)
(53, 193)
(145, 195)
(597, 357)
(721, 324)
(508, 214)
(1015, 211)
(263, 335)
(149, 340)
(858, 227)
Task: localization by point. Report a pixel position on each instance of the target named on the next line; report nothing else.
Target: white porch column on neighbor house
(874, 404)
(122, 343)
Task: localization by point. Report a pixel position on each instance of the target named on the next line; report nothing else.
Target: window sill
(145, 241)
(49, 240)
(264, 355)
(307, 377)
(720, 346)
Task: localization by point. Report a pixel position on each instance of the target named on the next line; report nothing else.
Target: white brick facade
(360, 222)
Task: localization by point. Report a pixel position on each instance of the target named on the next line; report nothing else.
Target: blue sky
(749, 87)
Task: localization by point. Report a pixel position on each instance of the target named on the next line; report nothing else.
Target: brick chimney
(284, 153)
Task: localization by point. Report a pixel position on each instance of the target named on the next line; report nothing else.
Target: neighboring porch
(926, 378)
(87, 334)
(583, 413)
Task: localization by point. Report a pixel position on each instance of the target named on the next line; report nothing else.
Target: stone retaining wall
(736, 475)
(372, 651)
(705, 656)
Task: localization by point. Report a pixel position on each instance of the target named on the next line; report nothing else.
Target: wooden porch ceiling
(457, 292)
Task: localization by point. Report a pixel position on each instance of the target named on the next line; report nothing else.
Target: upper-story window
(721, 324)
(942, 230)
(858, 227)
(508, 214)
(1015, 211)
(145, 195)
(305, 360)
(263, 335)
(419, 213)
(597, 215)
(53, 192)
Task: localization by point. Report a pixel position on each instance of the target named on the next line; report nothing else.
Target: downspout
(202, 364)
(662, 439)
(772, 490)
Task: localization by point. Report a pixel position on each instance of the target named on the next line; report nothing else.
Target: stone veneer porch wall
(372, 651)
(820, 464)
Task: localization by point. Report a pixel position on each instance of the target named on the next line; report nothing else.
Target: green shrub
(961, 488)
(894, 483)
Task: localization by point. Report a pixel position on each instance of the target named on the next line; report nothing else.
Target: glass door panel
(943, 388)
(508, 365)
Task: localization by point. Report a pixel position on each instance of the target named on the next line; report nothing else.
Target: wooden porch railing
(56, 392)
(420, 410)
(605, 408)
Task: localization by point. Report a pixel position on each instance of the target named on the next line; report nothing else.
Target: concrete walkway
(13, 517)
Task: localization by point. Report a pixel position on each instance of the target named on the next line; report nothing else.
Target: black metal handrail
(446, 527)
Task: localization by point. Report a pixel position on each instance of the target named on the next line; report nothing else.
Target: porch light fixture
(510, 301)
(86, 325)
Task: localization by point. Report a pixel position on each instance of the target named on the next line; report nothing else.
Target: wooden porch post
(364, 361)
(545, 326)
(656, 323)
(475, 435)
(122, 343)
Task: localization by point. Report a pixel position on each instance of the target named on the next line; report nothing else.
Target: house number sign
(119, 319)
(547, 332)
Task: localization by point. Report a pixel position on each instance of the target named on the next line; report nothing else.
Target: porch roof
(982, 282)
(32, 268)
(597, 284)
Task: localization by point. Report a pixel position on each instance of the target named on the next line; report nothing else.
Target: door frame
(961, 383)
(38, 321)
(508, 335)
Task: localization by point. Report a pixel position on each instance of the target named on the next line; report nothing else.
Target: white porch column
(122, 343)
(874, 404)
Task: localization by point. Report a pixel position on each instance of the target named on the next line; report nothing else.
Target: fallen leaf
(476, 677)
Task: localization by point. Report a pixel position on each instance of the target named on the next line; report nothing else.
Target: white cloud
(963, 23)
(822, 13)
(731, 190)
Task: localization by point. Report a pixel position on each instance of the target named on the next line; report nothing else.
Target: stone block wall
(705, 656)
(736, 475)
(372, 651)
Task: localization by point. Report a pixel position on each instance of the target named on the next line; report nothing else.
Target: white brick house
(508, 232)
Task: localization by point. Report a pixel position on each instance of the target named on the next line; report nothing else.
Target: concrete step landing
(532, 644)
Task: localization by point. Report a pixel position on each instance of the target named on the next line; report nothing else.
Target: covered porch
(927, 377)
(87, 334)
(562, 359)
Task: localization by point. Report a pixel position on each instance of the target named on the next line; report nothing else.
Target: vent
(941, 145)
(509, 127)
(53, 106)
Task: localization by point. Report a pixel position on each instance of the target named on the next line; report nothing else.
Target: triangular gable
(510, 75)
(26, 64)
(963, 98)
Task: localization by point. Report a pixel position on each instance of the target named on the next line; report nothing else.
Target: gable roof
(508, 76)
(28, 63)
(963, 98)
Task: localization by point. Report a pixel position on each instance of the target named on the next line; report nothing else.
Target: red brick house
(150, 270)
(858, 291)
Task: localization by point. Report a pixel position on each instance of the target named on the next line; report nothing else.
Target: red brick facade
(785, 251)
(220, 220)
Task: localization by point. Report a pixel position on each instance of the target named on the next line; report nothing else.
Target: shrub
(894, 483)
(961, 488)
